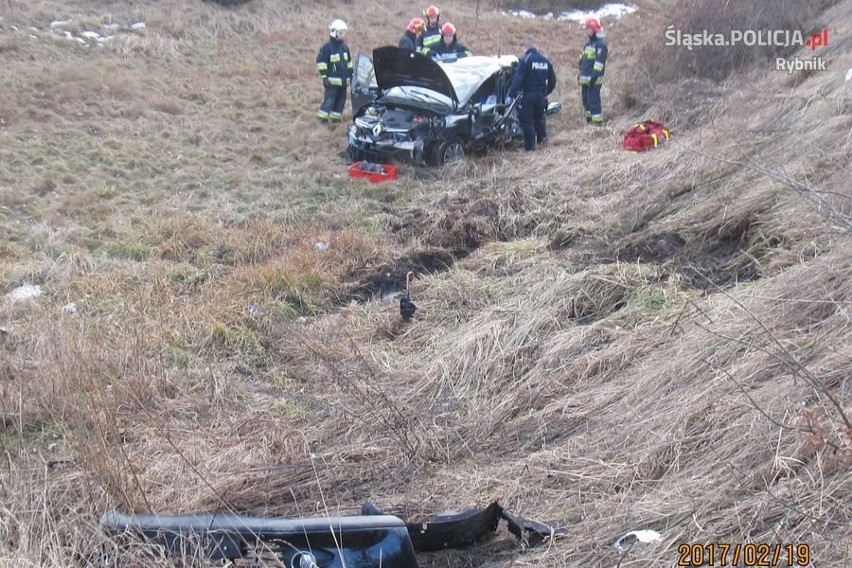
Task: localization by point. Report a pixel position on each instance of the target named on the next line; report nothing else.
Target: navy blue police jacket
(534, 76)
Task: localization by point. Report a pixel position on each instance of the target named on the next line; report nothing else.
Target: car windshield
(466, 75)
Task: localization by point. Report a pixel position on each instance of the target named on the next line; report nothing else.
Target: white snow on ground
(24, 292)
(521, 14)
(849, 74)
(605, 11)
(88, 37)
(624, 543)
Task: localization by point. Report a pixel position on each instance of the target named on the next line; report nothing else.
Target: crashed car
(408, 107)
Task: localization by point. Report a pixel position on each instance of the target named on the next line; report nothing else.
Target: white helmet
(336, 26)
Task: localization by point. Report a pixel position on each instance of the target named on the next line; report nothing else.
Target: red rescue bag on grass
(646, 135)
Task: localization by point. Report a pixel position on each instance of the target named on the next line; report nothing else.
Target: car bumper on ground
(393, 150)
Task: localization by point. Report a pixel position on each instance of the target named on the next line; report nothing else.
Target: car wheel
(448, 151)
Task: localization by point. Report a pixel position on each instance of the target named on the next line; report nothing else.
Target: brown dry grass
(608, 341)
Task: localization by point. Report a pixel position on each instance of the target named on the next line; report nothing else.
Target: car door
(364, 88)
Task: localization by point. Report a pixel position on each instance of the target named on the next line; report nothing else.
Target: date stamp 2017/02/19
(751, 554)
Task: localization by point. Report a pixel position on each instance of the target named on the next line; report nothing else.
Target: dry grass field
(605, 341)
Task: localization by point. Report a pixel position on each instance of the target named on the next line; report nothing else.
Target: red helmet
(593, 23)
(448, 29)
(432, 12)
(416, 25)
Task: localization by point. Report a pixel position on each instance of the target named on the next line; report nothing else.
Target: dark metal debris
(370, 540)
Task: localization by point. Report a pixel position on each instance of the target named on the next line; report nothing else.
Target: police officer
(334, 64)
(536, 78)
(431, 36)
(412, 33)
(592, 68)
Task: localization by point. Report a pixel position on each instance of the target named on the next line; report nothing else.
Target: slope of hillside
(606, 341)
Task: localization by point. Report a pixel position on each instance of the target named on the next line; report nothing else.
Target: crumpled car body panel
(370, 540)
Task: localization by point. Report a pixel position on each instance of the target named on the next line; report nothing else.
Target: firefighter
(449, 49)
(412, 34)
(334, 64)
(536, 79)
(592, 68)
(431, 36)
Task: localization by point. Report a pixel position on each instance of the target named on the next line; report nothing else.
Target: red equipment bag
(646, 135)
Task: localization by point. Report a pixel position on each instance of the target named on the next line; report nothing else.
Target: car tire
(446, 152)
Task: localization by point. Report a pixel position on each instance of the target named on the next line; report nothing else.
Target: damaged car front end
(408, 107)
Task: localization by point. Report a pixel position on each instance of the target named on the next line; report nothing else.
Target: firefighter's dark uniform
(408, 41)
(592, 68)
(536, 77)
(335, 67)
(430, 38)
(449, 52)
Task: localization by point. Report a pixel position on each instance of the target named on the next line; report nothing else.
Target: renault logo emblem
(377, 129)
(304, 560)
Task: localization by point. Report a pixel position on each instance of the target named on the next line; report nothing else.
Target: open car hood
(396, 67)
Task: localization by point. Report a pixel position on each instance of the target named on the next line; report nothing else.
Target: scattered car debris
(370, 540)
(406, 306)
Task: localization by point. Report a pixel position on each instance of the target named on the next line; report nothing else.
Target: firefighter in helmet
(334, 64)
(449, 48)
(412, 34)
(592, 68)
(431, 36)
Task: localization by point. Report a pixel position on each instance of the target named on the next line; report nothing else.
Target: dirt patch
(718, 257)
(390, 277)
(463, 223)
(658, 247)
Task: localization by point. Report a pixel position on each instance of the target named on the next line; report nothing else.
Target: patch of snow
(112, 26)
(95, 36)
(391, 295)
(625, 542)
(72, 37)
(70, 308)
(521, 14)
(138, 26)
(320, 246)
(605, 11)
(59, 24)
(849, 74)
(24, 292)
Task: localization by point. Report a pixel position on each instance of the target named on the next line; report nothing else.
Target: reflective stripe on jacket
(451, 52)
(430, 38)
(334, 62)
(593, 60)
